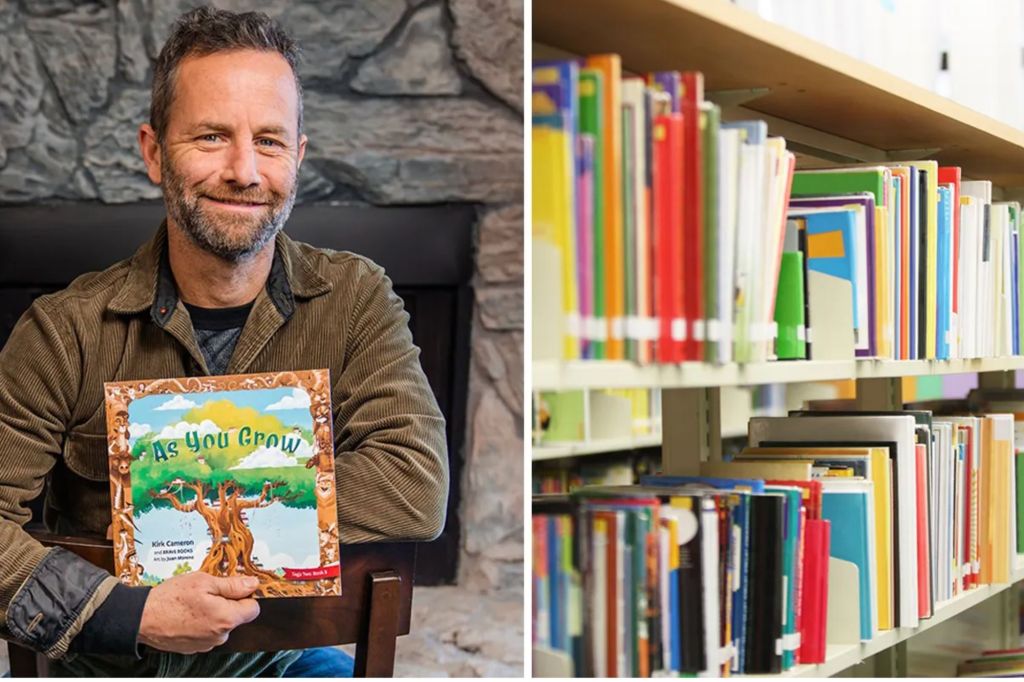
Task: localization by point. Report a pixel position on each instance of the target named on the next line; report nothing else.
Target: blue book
(741, 518)
(791, 505)
(944, 276)
(846, 507)
(558, 597)
(675, 637)
(755, 132)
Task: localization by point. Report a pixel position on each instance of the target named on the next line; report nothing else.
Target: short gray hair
(207, 30)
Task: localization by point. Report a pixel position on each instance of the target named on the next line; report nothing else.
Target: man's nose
(242, 167)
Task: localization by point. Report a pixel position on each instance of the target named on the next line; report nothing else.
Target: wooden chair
(374, 609)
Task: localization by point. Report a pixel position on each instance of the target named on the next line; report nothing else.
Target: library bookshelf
(830, 108)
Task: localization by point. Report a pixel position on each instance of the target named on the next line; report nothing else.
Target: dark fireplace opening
(426, 251)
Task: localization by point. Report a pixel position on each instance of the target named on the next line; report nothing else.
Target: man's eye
(268, 141)
(210, 137)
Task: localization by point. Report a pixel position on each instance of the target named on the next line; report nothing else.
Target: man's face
(231, 151)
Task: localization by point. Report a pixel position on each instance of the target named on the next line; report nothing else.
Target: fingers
(246, 610)
(235, 587)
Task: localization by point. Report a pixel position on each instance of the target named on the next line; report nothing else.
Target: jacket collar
(150, 285)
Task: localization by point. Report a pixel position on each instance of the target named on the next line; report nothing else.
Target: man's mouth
(234, 203)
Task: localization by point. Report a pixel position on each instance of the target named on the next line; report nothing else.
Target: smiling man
(218, 290)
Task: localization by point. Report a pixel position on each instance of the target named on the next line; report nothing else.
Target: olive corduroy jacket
(320, 309)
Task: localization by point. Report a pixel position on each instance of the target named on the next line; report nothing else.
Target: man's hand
(195, 612)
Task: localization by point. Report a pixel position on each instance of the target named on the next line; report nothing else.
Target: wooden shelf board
(554, 375)
(809, 84)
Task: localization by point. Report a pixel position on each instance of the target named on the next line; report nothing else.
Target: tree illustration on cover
(242, 465)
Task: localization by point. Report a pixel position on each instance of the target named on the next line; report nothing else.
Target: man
(218, 290)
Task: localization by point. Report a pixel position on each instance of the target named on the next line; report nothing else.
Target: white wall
(984, 40)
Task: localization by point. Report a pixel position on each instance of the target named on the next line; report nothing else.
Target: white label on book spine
(773, 331)
(572, 324)
(698, 330)
(597, 330)
(737, 544)
(714, 329)
(801, 333)
(679, 330)
(791, 641)
(778, 647)
(618, 328)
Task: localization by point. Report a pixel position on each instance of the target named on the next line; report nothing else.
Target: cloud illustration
(176, 431)
(138, 430)
(298, 400)
(268, 457)
(178, 402)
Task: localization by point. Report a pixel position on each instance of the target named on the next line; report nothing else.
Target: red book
(668, 220)
(815, 593)
(611, 593)
(950, 175)
(924, 585)
(692, 246)
(540, 568)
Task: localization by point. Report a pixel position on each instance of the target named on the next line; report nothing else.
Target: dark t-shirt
(217, 331)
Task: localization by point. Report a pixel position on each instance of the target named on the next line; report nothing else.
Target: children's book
(228, 475)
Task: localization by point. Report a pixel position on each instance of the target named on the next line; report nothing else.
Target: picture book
(228, 475)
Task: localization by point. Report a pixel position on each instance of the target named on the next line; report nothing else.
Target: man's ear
(302, 150)
(150, 148)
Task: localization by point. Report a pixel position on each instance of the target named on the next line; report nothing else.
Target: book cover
(228, 475)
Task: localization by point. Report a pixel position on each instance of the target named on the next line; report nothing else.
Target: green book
(710, 120)
(591, 122)
(846, 181)
(791, 341)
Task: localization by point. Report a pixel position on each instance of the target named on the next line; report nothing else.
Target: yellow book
(553, 221)
(996, 468)
(883, 291)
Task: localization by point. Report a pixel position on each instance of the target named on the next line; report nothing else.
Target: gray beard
(202, 229)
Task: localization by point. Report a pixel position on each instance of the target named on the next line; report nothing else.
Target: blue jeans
(321, 662)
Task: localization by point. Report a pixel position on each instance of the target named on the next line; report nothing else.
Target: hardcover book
(228, 475)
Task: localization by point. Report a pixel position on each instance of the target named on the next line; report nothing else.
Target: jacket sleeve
(46, 595)
(391, 454)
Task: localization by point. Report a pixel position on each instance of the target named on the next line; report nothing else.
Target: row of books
(930, 261)
(663, 234)
(856, 523)
(651, 218)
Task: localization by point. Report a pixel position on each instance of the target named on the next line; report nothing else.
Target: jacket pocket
(86, 455)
